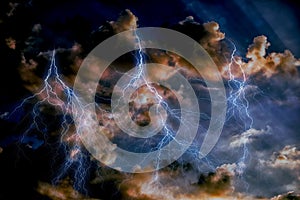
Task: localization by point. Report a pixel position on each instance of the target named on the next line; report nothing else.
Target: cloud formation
(63, 191)
(269, 64)
(262, 64)
(179, 184)
(287, 196)
(288, 157)
(126, 21)
(256, 62)
(247, 137)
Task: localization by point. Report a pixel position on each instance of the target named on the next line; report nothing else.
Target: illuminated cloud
(213, 34)
(126, 21)
(257, 50)
(63, 191)
(271, 64)
(187, 185)
(179, 184)
(27, 71)
(288, 196)
(247, 137)
(211, 39)
(259, 62)
(288, 157)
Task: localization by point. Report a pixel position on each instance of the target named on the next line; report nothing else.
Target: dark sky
(241, 20)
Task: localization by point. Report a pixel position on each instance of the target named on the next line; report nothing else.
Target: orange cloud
(174, 185)
(10, 42)
(271, 64)
(126, 21)
(212, 40)
(261, 63)
(213, 35)
(63, 191)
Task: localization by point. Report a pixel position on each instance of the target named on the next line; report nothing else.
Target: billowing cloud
(27, 71)
(63, 191)
(288, 157)
(126, 21)
(257, 50)
(180, 184)
(288, 196)
(183, 184)
(215, 43)
(213, 35)
(261, 63)
(271, 64)
(247, 137)
(210, 37)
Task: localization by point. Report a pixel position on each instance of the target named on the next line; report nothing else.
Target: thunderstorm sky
(255, 46)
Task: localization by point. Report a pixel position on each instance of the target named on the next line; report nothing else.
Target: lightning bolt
(58, 95)
(237, 94)
(239, 104)
(158, 97)
(167, 131)
(76, 159)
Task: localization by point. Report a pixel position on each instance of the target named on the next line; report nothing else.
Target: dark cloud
(288, 196)
(12, 7)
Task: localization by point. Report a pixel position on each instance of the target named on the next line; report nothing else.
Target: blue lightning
(76, 159)
(239, 103)
(141, 73)
(168, 132)
(58, 95)
(237, 94)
